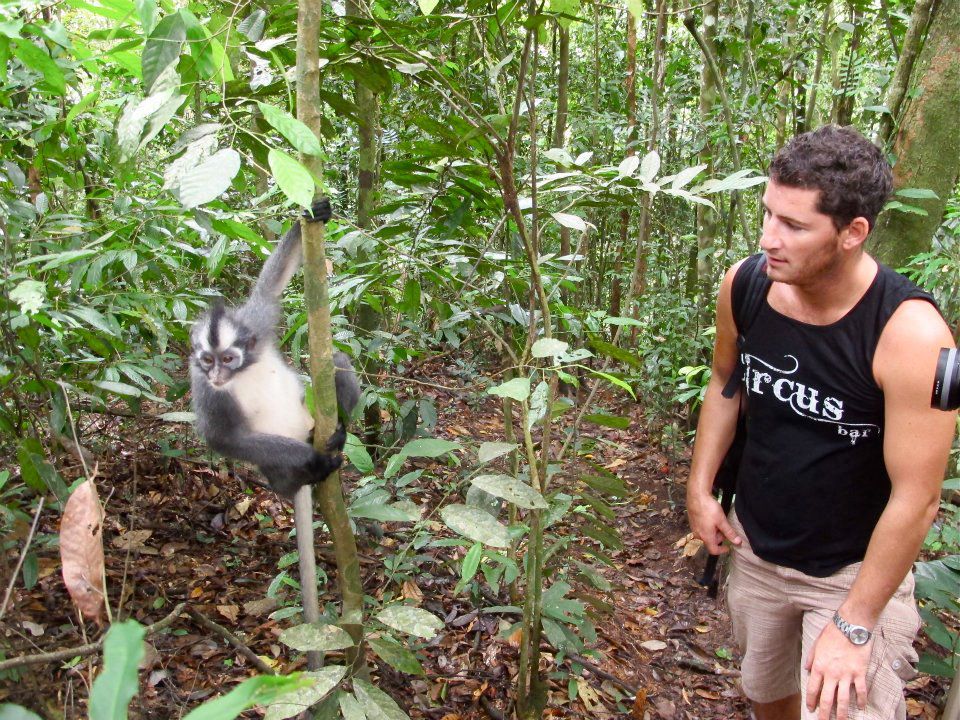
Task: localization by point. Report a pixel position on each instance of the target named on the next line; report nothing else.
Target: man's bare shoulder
(910, 344)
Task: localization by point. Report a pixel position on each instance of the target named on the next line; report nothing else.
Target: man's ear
(855, 233)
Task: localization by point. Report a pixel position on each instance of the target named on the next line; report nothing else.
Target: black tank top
(812, 482)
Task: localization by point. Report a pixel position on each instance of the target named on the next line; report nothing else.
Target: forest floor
(177, 529)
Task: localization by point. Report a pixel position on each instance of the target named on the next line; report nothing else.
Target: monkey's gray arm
(346, 384)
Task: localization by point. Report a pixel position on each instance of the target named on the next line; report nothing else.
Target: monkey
(248, 401)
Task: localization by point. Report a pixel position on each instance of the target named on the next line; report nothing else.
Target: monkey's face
(221, 347)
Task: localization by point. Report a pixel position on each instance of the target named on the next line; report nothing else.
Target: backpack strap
(750, 286)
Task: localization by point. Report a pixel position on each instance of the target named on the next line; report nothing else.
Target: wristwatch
(857, 634)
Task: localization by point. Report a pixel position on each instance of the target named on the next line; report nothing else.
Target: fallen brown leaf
(81, 550)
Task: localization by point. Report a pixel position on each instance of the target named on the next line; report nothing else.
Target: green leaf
(396, 512)
(162, 48)
(611, 421)
(518, 389)
(512, 490)
(396, 656)
(349, 707)
(358, 455)
(606, 484)
(16, 712)
(429, 447)
(611, 350)
(85, 102)
(377, 705)
(411, 620)
(117, 683)
(37, 59)
(628, 166)
(427, 6)
(312, 636)
(649, 166)
(616, 381)
(574, 222)
(903, 207)
(118, 388)
(549, 347)
(318, 685)
(296, 133)
(260, 690)
(294, 179)
(917, 194)
(147, 11)
(470, 565)
(30, 295)
(210, 179)
(475, 524)
(492, 450)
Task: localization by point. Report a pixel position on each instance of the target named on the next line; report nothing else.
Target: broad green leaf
(411, 620)
(611, 421)
(311, 636)
(294, 179)
(396, 656)
(636, 8)
(904, 207)
(162, 48)
(321, 683)
(358, 455)
(16, 712)
(606, 484)
(649, 166)
(917, 194)
(36, 59)
(350, 708)
(210, 179)
(427, 6)
(685, 176)
(538, 404)
(512, 490)
(734, 181)
(296, 133)
(574, 222)
(395, 512)
(377, 705)
(30, 295)
(549, 347)
(429, 447)
(492, 450)
(118, 388)
(475, 524)
(411, 68)
(559, 156)
(622, 321)
(259, 690)
(147, 11)
(85, 102)
(252, 26)
(117, 683)
(518, 389)
(628, 166)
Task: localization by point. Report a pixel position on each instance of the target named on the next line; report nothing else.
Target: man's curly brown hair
(851, 173)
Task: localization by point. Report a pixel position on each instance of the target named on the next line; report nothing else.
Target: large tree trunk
(927, 146)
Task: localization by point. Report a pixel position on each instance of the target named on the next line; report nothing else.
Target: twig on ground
(84, 650)
(600, 672)
(237, 643)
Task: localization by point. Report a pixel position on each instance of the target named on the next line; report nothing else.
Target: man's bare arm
(715, 430)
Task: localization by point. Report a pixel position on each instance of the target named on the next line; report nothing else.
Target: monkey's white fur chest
(270, 395)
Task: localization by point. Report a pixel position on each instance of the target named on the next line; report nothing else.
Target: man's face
(801, 243)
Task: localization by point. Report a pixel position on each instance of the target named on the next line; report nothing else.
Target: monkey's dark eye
(206, 359)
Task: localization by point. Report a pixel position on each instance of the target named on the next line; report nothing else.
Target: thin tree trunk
(810, 116)
(560, 126)
(845, 103)
(785, 91)
(707, 220)
(329, 494)
(897, 90)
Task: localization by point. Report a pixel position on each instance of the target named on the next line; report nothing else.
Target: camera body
(946, 383)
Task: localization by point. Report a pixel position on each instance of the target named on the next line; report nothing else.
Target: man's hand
(708, 523)
(835, 664)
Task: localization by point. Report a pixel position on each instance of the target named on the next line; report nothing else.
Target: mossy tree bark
(927, 145)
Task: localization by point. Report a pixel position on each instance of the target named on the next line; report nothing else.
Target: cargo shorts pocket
(892, 665)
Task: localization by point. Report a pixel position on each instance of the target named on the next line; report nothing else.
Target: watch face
(859, 635)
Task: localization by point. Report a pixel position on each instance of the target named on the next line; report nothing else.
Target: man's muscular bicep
(917, 438)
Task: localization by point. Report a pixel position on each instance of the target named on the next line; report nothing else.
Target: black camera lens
(946, 384)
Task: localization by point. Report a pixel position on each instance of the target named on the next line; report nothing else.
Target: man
(844, 457)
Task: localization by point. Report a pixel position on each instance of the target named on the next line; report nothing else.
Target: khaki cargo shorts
(777, 615)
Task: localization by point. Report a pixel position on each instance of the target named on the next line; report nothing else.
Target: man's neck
(831, 296)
